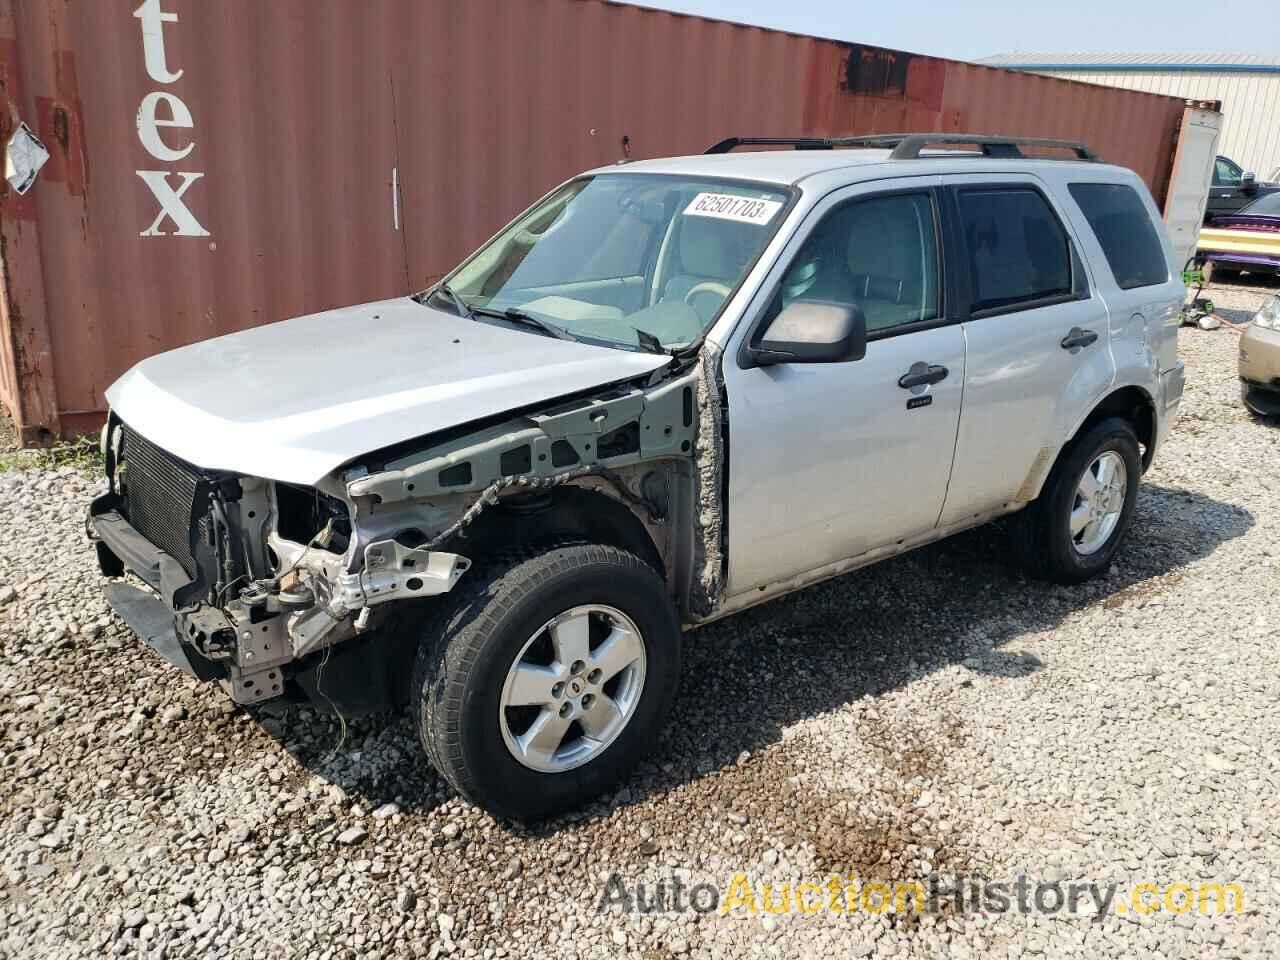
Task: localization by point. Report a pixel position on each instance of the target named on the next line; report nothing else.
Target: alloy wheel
(1098, 502)
(573, 688)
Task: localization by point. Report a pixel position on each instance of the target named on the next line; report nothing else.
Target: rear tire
(1074, 528)
(486, 722)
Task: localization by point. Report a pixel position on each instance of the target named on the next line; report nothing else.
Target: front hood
(293, 401)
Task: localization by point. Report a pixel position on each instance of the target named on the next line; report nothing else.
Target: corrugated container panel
(1250, 106)
(341, 152)
(1138, 131)
(483, 134)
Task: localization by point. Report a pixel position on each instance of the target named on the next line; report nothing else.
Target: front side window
(1124, 231)
(879, 254)
(1226, 173)
(624, 259)
(1018, 252)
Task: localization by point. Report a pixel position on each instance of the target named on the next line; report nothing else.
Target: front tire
(1074, 528)
(544, 680)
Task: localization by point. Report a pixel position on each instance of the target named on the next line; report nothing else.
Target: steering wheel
(706, 286)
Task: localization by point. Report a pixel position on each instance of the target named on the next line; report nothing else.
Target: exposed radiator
(159, 492)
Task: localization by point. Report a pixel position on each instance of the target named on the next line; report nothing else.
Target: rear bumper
(1172, 384)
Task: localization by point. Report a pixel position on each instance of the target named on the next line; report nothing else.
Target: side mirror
(812, 331)
(1249, 182)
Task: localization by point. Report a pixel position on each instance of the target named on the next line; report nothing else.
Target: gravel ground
(936, 715)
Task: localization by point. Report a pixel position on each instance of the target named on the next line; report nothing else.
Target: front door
(1227, 193)
(827, 461)
(1037, 338)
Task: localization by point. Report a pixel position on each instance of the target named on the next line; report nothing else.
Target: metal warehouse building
(1247, 84)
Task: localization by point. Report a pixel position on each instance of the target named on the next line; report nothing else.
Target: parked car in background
(666, 392)
(1245, 241)
(1260, 361)
(1232, 188)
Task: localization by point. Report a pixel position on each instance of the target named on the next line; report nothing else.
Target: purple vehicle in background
(1247, 240)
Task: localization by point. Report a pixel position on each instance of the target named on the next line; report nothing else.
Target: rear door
(1035, 332)
(1136, 272)
(828, 461)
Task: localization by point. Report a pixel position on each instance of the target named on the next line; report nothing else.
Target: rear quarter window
(1129, 241)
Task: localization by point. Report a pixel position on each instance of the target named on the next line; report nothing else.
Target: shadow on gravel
(375, 758)
(749, 676)
(1239, 317)
(1261, 286)
(959, 601)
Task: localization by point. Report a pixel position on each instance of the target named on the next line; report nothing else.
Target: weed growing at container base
(81, 453)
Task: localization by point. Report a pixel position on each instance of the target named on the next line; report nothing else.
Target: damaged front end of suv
(312, 592)
(496, 502)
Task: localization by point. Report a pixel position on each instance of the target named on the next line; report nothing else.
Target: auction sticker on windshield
(728, 206)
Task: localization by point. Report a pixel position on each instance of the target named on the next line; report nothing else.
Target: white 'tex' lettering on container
(161, 110)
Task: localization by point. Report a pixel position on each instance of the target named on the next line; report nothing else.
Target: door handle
(923, 374)
(1078, 338)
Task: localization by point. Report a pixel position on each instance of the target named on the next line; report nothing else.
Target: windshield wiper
(649, 342)
(519, 316)
(446, 291)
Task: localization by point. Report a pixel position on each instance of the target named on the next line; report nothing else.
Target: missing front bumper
(202, 641)
(258, 649)
(146, 615)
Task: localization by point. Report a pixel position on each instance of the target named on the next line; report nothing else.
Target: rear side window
(1124, 230)
(1019, 254)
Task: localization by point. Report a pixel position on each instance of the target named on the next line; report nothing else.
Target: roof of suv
(789, 167)
(772, 166)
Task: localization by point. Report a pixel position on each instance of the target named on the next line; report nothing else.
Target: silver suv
(666, 392)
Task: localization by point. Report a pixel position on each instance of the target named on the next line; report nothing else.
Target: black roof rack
(907, 146)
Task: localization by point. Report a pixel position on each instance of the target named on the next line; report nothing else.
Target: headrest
(709, 247)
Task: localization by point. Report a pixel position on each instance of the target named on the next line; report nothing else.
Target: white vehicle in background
(666, 392)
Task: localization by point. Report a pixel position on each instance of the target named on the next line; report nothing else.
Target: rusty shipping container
(213, 166)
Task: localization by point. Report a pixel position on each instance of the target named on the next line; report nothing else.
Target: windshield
(1268, 206)
(633, 260)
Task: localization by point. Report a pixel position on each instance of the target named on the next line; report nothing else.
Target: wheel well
(563, 512)
(1134, 405)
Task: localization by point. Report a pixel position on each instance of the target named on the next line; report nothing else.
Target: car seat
(708, 250)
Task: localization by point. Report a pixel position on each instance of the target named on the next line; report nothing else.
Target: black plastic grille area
(159, 492)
